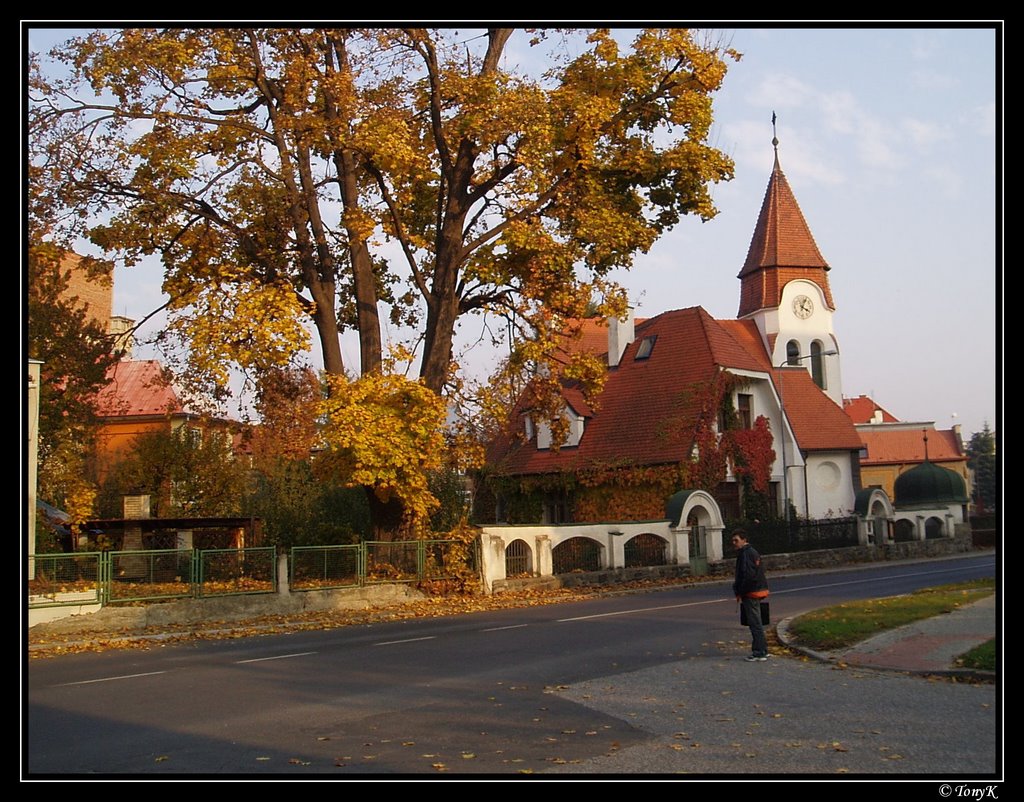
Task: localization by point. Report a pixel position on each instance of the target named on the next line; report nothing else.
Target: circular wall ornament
(827, 476)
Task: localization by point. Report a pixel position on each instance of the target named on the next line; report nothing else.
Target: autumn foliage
(332, 179)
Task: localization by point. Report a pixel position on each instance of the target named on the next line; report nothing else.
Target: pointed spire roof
(782, 249)
(781, 237)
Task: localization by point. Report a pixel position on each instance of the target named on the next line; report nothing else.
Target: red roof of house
(137, 387)
(588, 336)
(646, 411)
(862, 410)
(817, 421)
(897, 446)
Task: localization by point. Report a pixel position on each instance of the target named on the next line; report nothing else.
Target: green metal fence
(149, 575)
(417, 560)
(229, 572)
(56, 580)
(326, 567)
(114, 577)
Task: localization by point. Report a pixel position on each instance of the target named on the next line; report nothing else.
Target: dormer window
(643, 351)
(577, 424)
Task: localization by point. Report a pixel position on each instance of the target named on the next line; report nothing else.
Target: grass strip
(981, 657)
(846, 624)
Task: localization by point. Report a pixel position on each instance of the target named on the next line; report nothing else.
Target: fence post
(282, 576)
(103, 573)
(196, 573)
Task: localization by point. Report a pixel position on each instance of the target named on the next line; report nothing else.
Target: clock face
(803, 307)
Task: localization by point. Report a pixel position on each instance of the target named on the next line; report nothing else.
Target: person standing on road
(751, 588)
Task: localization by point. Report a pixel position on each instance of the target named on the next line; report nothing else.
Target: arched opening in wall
(817, 365)
(518, 559)
(793, 352)
(645, 549)
(933, 528)
(698, 541)
(879, 524)
(576, 554)
(904, 531)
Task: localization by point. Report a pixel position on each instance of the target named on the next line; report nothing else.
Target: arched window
(904, 531)
(645, 549)
(576, 554)
(793, 352)
(518, 558)
(817, 365)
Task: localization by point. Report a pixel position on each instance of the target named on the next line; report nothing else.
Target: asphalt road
(637, 685)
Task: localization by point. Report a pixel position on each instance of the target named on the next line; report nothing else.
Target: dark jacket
(750, 581)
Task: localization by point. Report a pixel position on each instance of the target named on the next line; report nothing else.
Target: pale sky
(888, 137)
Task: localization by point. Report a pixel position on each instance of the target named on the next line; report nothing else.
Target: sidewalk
(930, 646)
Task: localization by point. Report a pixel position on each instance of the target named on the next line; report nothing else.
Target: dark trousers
(759, 646)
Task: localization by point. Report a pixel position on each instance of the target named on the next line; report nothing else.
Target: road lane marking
(278, 657)
(499, 629)
(407, 640)
(110, 679)
(641, 610)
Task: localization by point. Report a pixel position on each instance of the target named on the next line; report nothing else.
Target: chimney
(620, 334)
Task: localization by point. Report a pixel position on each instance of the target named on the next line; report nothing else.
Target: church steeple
(784, 288)
(782, 249)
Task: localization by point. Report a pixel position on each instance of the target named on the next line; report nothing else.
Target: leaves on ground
(57, 638)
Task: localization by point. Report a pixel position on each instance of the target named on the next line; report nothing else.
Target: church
(748, 410)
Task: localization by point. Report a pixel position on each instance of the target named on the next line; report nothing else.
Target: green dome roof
(674, 505)
(928, 483)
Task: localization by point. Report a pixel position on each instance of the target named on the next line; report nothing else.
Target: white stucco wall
(950, 515)
(823, 487)
(612, 537)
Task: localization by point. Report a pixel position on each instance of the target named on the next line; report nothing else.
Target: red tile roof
(648, 407)
(897, 446)
(818, 423)
(588, 335)
(781, 237)
(862, 410)
(137, 387)
(782, 249)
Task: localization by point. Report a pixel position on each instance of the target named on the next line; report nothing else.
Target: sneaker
(754, 658)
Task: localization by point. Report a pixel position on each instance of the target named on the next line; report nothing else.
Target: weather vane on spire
(775, 139)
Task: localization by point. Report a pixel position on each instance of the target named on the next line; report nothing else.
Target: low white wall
(542, 538)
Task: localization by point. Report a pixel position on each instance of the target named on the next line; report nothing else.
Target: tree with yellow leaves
(328, 176)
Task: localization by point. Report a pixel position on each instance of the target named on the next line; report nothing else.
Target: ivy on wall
(624, 492)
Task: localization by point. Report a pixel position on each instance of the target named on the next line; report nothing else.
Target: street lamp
(791, 362)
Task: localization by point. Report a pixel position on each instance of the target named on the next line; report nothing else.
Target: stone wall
(187, 612)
